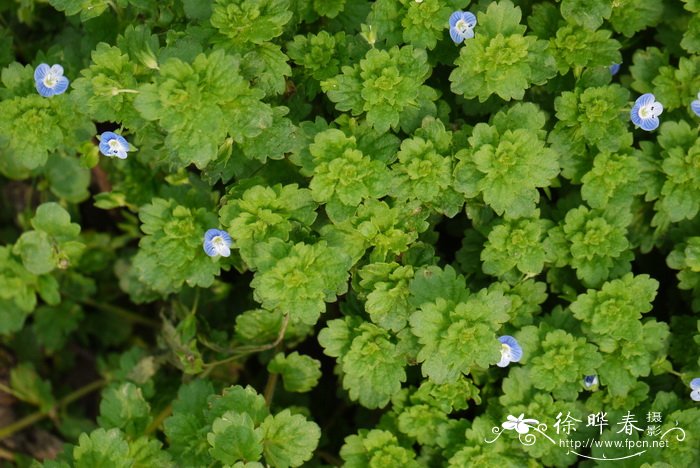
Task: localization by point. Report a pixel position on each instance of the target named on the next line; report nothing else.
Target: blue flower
(590, 381)
(695, 387)
(50, 80)
(217, 242)
(695, 106)
(462, 26)
(646, 111)
(614, 68)
(112, 144)
(510, 350)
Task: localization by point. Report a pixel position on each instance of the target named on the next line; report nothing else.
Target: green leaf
(387, 300)
(595, 115)
(196, 123)
(563, 361)
(432, 283)
(250, 21)
(424, 22)
(300, 373)
(516, 244)
(373, 367)
(55, 221)
(171, 253)
(53, 325)
(676, 87)
(30, 387)
(68, 179)
(587, 13)
(300, 280)
(500, 59)
(234, 437)
(376, 448)
(107, 89)
(37, 252)
(32, 128)
(124, 407)
(679, 194)
(630, 16)
(240, 400)
(506, 165)
(383, 84)
(12, 317)
(263, 213)
(196, 9)
(598, 244)
(613, 181)
(329, 8)
(260, 327)
(455, 337)
(614, 311)
(422, 423)
(266, 68)
(104, 448)
(187, 427)
(290, 440)
(576, 47)
(343, 176)
(88, 9)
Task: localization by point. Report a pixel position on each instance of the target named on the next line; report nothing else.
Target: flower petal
(695, 107)
(456, 37)
(509, 425)
(57, 70)
(469, 18)
(695, 383)
(43, 89)
(522, 428)
(649, 124)
(223, 250)
(454, 17)
(61, 85)
(209, 248)
(645, 99)
(40, 72)
(210, 234)
(695, 395)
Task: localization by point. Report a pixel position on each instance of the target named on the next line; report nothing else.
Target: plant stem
(156, 423)
(270, 387)
(244, 350)
(62, 403)
(11, 391)
(6, 455)
(121, 312)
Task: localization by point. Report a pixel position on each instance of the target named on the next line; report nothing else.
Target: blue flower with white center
(695, 106)
(590, 381)
(217, 242)
(646, 111)
(50, 81)
(695, 387)
(510, 350)
(614, 68)
(112, 144)
(462, 26)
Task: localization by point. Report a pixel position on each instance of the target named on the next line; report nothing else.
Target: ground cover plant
(392, 233)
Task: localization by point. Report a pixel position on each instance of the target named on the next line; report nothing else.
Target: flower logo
(520, 424)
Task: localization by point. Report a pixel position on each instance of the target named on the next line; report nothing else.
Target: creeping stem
(62, 403)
